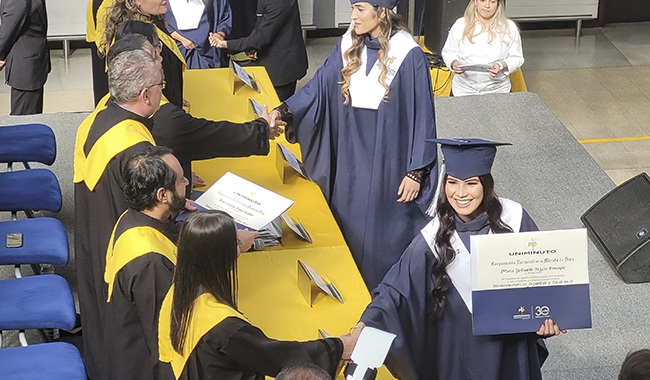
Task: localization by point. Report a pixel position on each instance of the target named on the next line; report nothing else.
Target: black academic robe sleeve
(193, 138)
(274, 14)
(234, 349)
(131, 327)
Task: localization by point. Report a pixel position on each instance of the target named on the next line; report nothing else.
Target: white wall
(552, 8)
(66, 17)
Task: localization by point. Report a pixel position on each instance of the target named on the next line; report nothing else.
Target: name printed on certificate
(519, 280)
(249, 204)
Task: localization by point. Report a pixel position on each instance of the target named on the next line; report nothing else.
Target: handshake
(218, 40)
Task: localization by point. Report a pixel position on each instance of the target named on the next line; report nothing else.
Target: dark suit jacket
(23, 43)
(277, 38)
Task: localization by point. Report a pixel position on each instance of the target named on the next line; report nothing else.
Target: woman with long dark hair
(202, 333)
(152, 11)
(361, 123)
(426, 297)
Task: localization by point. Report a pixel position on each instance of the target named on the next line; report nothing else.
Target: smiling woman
(361, 123)
(424, 298)
(483, 48)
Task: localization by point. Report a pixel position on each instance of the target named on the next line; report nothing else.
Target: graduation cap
(390, 4)
(466, 158)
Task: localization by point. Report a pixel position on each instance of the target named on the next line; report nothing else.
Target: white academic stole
(459, 269)
(187, 13)
(365, 90)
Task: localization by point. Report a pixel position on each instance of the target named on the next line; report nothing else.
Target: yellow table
(268, 292)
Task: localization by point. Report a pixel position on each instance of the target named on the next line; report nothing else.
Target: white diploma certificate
(519, 280)
(249, 204)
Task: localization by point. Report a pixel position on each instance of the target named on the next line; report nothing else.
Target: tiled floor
(598, 86)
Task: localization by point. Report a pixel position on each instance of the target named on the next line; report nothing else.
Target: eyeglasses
(162, 84)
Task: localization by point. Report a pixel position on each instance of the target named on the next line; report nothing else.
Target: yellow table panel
(268, 292)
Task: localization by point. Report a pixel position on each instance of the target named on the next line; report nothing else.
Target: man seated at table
(194, 138)
(140, 262)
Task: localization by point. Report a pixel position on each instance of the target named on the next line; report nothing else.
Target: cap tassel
(433, 207)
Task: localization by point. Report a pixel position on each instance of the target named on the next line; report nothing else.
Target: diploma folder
(520, 280)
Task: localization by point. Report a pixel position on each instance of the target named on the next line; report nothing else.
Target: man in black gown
(140, 263)
(108, 137)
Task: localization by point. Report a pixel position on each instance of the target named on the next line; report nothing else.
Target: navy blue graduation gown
(204, 55)
(359, 157)
(431, 346)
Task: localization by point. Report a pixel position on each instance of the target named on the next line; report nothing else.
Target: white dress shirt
(505, 47)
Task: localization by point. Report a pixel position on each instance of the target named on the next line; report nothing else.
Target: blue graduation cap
(466, 158)
(390, 4)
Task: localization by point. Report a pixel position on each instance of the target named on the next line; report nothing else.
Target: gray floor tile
(559, 50)
(631, 39)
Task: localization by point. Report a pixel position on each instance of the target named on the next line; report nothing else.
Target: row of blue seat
(39, 301)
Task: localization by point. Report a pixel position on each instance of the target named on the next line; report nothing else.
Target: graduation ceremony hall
(578, 121)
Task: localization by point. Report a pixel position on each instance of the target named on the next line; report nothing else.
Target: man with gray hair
(108, 137)
(303, 371)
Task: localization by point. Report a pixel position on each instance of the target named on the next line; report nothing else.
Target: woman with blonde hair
(361, 123)
(483, 48)
(149, 11)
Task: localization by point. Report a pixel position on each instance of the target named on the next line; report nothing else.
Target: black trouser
(100, 78)
(285, 91)
(26, 102)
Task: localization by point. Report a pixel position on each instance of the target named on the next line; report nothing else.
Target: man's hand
(189, 205)
(274, 130)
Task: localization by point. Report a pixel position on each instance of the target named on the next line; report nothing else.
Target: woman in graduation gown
(150, 11)
(425, 299)
(202, 335)
(191, 22)
(361, 123)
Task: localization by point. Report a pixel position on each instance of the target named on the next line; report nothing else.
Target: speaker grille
(621, 219)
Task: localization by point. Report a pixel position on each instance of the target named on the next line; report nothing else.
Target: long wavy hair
(353, 54)
(444, 249)
(498, 26)
(206, 263)
(119, 11)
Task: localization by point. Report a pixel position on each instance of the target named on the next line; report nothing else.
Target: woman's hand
(455, 66)
(247, 238)
(274, 130)
(187, 43)
(408, 190)
(549, 329)
(496, 68)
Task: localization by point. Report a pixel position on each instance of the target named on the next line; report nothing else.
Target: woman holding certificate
(483, 48)
(425, 299)
(361, 123)
(201, 333)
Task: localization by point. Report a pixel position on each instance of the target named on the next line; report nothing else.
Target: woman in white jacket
(483, 48)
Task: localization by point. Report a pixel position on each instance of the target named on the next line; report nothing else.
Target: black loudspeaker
(619, 224)
(439, 17)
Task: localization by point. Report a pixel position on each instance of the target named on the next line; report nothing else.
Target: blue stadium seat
(44, 241)
(27, 143)
(47, 361)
